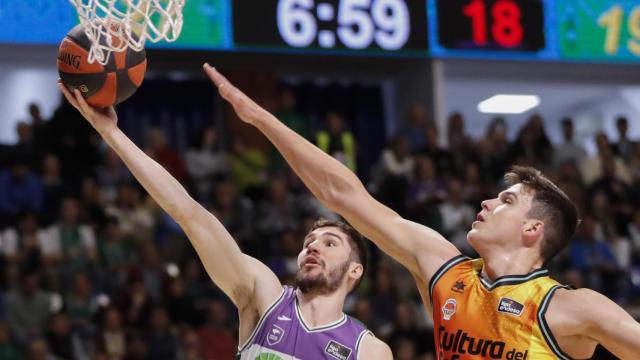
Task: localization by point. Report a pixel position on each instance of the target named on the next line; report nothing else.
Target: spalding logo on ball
(101, 86)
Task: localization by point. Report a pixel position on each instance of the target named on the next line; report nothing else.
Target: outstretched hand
(101, 119)
(247, 110)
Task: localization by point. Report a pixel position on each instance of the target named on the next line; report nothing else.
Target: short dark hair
(551, 205)
(359, 252)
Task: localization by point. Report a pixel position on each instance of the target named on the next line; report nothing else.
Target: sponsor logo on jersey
(337, 350)
(275, 335)
(458, 287)
(449, 308)
(284, 318)
(452, 346)
(510, 306)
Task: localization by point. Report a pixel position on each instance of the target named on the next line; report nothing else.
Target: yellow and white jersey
(476, 319)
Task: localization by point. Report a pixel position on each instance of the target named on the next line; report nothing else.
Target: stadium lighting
(508, 104)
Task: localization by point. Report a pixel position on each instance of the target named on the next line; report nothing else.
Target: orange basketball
(101, 86)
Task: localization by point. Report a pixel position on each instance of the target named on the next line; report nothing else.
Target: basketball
(100, 85)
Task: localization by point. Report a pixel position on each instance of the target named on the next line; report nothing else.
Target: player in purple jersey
(276, 322)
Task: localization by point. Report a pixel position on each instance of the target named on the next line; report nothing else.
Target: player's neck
(318, 310)
(500, 264)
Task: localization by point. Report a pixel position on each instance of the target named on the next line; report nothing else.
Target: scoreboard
(573, 30)
(548, 30)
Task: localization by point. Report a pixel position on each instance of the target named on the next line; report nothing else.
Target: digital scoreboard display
(599, 30)
(497, 25)
(377, 27)
(548, 30)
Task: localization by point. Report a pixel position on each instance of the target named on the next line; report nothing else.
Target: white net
(114, 25)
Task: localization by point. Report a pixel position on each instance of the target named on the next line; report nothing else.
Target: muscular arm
(216, 248)
(374, 349)
(420, 249)
(576, 315)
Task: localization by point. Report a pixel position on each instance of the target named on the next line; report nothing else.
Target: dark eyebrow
(334, 235)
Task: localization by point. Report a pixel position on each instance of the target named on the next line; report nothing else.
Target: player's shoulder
(374, 348)
(578, 306)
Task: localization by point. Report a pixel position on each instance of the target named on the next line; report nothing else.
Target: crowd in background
(91, 268)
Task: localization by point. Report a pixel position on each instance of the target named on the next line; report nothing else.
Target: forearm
(157, 181)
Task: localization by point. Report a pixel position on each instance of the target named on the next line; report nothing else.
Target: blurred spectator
(64, 344)
(111, 339)
(395, 171)
(28, 308)
(161, 343)
(532, 146)
(234, 211)
(618, 193)
(134, 219)
(205, 161)
(93, 212)
(248, 168)
(624, 147)
(383, 293)
(337, 141)
(7, 351)
(20, 190)
(216, 338)
(634, 165)
(69, 245)
(39, 350)
(426, 190)
(180, 306)
(53, 187)
(492, 151)
(593, 258)
(457, 216)
(286, 112)
(81, 305)
(284, 261)
(396, 160)
(592, 165)
(21, 247)
(189, 346)
(405, 329)
(111, 173)
(459, 142)
(159, 149)
(415, 130)
(277, 211)
(116, 253)
(568, 150)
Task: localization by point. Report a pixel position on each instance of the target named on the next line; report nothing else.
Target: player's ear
(356, 270)
(532, 231)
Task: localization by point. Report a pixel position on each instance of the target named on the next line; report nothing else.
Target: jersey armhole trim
(360, 337)
(262, 319)
(442, 270)
(546, 331)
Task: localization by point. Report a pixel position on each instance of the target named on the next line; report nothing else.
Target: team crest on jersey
(275, 335)
(337, 350)
(510, 306)
(449, 308)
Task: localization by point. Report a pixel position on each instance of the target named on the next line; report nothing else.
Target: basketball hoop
(114, 25)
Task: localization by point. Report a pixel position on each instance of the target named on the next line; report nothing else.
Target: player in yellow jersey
(502, 306)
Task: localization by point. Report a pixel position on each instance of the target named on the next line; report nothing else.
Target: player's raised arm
(235, 273)
(586, 314)
(420, 249)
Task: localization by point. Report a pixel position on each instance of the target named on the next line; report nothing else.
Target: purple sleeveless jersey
(281, 334)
